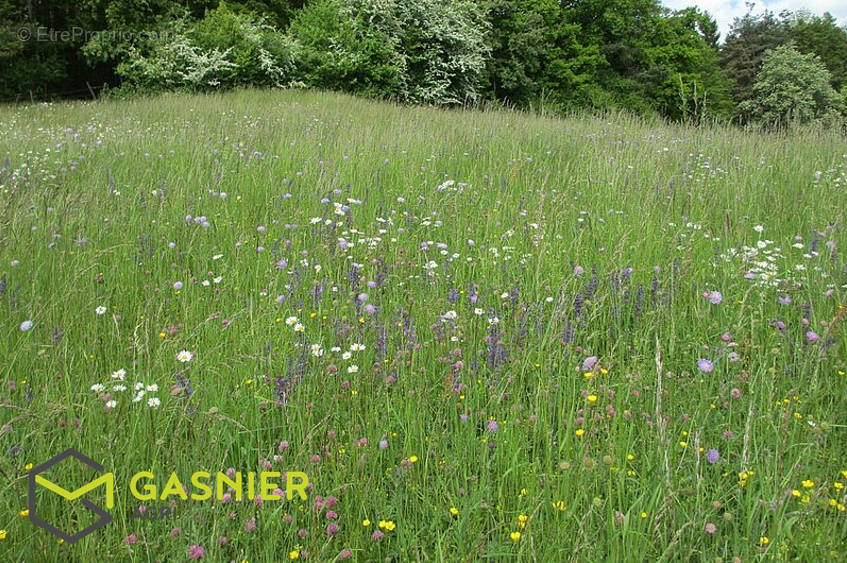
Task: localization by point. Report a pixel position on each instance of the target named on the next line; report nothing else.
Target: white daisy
(184, 356)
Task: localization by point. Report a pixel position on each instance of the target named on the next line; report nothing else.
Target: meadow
(482, 335)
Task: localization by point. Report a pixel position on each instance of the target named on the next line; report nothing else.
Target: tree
(748, 40)
(823, 37)
(792, 87)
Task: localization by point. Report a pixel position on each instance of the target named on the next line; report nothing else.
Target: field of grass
(481, 335)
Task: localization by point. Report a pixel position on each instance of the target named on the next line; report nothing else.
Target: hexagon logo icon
(107, 479)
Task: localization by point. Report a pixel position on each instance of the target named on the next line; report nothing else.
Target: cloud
(725, 11)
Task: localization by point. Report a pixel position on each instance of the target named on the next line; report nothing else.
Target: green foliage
(792, 87)
(430, 52)
(823, 37)
(225, 49)
(338, 49)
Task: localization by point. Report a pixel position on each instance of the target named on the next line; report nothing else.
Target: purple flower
(178, 285)
(784, 300)
(493, 426)
(705, 366)
(812, 336)
(750, 276)
(282, 264)
(383, 444)
(463, 417)
(331, 529)
(589, 363)
(26, 325)
(196, 552)
(578, 270)
(712, 456)
(261, 228)
(715, 297)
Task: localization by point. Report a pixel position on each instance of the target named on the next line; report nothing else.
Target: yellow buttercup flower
(808, 484)
(413, 458)
(515, 536)
(559, 505)
(579, 433)
(294, 554)
(366, 522)
(591, 398)
(454, 511)
(3, 534)
(23, 513)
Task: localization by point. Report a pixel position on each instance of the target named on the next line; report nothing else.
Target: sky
(725, 11)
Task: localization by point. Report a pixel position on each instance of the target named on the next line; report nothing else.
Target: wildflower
(580, 432)
(493, 426)
(377, 535)
(812, 336)
(178, 285)
(589, 363)
(353, 369)
(184, 356)
(644, 515)
(413, 459)
(366, 523)
(196, 552)
(712, 456)
(100, 310)
(715, 297)
(3, 534)
(515, 536)
(25, 326)
(345, 554)
(558, 505)
(23, 513)
(764, 540)
(454, 511)
(808, 484)
(591, 398)
(710, 528)
(705, 366)
(153, 402)
(299, 327)
(294, 554)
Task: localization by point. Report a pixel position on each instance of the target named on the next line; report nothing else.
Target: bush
(792, 87)
(223, 50)
(339, 49)
(431, 51)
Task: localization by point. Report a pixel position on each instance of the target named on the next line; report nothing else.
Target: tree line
(559, 55)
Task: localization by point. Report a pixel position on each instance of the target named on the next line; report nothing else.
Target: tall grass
(503, 251)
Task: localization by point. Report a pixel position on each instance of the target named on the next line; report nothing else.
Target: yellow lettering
(150, 489)
(174, 487)
(300, 486)
(207, 490)
(267, 491)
